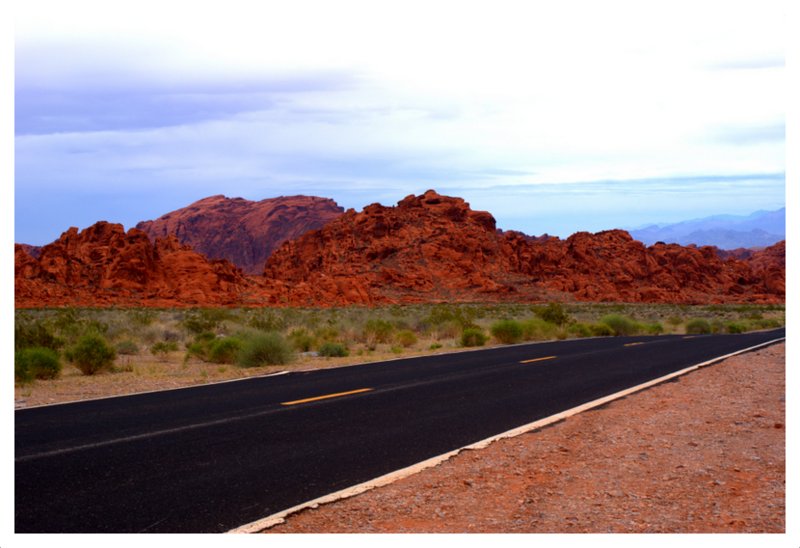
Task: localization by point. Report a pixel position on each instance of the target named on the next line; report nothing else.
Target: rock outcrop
(427, 248)
(433, 248)
(104, 265)
(243, 231)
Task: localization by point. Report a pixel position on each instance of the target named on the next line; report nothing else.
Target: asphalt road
(212, 458)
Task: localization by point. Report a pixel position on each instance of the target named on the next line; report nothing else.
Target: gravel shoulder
(704, 453)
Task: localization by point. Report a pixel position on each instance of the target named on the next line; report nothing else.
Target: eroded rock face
(427, 248)
(433, 248)
(104, 265)
(243, 231)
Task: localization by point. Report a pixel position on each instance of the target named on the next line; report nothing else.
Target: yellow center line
(634, 344)
(538, 359)
(326, 396)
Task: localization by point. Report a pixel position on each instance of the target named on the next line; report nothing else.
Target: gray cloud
(43, 110)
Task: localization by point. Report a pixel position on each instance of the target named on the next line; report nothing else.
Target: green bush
(333, 350)
(162, 348)
(736, 327)
(30, 333)
(264, 348)
(553, 313)
(507, 331)
(224, 350)
(36, 363)
(698, 326)
(580, 330)
(406, 338)
(536, 329)
(621, 325)
(127, 347)
(204, 319)
(378, 331)
(91, 354)
(654, 328)
(601, 330)
(473, 336)
(301, 339)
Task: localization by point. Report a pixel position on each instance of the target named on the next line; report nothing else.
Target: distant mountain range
(759, 229)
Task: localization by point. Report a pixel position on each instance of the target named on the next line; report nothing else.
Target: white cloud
(459, 95)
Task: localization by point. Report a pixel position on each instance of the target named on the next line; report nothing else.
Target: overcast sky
(554, 116)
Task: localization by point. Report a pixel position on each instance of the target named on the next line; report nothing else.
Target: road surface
(212, 458)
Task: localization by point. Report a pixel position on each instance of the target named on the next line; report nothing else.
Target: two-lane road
(211, 458)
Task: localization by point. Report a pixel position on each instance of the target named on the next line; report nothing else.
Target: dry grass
(144, 372)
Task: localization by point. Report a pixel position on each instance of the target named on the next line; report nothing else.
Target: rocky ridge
(432, 247)
(427, 248)
(103, 265)
(242, 231)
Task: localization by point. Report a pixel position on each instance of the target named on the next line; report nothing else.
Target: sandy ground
(702, 454)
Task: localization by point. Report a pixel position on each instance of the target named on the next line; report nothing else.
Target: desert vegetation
(211, 343)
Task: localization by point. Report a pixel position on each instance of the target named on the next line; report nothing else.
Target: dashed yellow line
(326, 396)
(634, 344)
(538, 359)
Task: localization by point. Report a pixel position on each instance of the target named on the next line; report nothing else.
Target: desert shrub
(536, 329)
(674, 320)
(72, 325)
(553, 313)
(142, 317)
(35, 333)
(333, 350)
(91, 354)
(442, 314)
(735, 327)
(621, 325)
(301, 339)
(204, 319)
(473, 336)
(162, 348)
(200, 347)
(267, 320)
(601, 330)
(224, 350)
(448, 330)
(327, 333)
(698, 326)
(264, 348)
(435, 346)
(36, 363)
(507, 331)
(378, 331)
(767, 323)
(406, 338)
(580, 330)
(718, 326)
(127, 347)
(654, 328)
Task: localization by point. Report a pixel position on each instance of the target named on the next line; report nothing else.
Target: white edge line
(391, 477)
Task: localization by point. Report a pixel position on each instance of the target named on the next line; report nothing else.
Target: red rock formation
(242, 231)
(769, 264)
(428, 248)
(104, 265)
(432, 247)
